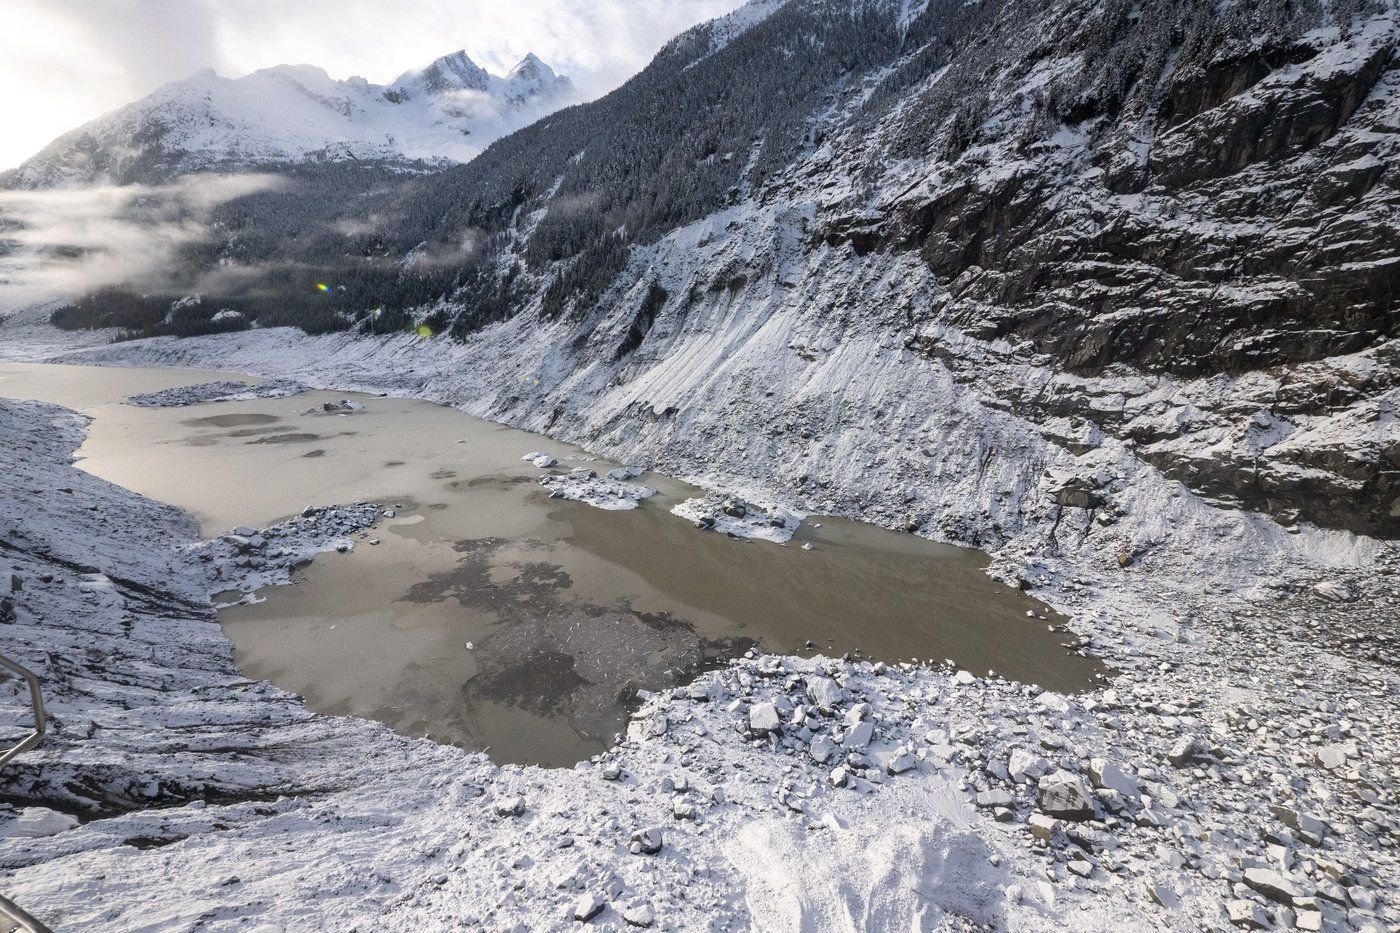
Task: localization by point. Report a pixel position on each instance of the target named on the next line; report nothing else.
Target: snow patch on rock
(225, 391)
(739, 518)
(584, 485)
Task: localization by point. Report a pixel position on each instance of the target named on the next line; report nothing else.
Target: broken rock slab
(995, 798)
(1331, 757)
(825, 692)
(1185, 750)
(1043, 827)
(1246, 914)
(1164, 894)
(1271, 884)
(763, 719)
(1022, 766)
(1309, 829)
(734, 516)
(1064, 795)
(859, 735)
(638, 913)
(1336, 591)
(510, 806)
(35, 822)
(1105, 774)
(588, 907)
(647, 841)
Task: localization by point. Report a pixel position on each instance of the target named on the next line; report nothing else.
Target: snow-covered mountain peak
(447, 111)
(532, 78)
(530, 68)
(448, 74)
(313, 74)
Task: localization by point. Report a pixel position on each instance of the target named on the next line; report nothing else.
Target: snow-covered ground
(1239, 765)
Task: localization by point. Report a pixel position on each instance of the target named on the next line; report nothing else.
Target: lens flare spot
(322, 287)
(424, 330)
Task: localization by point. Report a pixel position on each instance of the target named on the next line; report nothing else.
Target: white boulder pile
(1139, 793)
(585, 485)
(739, 518)
(249, 559)
(223, 391)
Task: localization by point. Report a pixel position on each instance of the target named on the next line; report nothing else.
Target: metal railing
(14, 919)
(36, 702)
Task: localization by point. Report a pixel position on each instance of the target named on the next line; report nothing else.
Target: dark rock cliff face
(1258, 229)
(1248, 222)
(1211, 270)
(1234, 211)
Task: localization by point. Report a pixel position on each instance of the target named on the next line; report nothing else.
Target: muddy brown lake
(492, 616)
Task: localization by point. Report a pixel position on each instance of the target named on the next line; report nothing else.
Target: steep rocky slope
(1113, 221)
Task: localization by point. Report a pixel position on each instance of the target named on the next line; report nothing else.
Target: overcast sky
(64, 62)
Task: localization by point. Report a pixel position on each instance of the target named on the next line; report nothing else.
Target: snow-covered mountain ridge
(447, 112)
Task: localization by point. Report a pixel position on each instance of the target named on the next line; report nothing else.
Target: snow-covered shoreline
(1258, 735)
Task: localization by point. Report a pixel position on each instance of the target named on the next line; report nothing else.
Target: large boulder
(1271, 884)
(763, 719)
(1107, 775)
(824, 693)
(1064, 795)
(1185, 750)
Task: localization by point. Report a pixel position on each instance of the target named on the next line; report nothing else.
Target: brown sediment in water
(498, 482)
(555, 655)
(294, 437)
(232, 420)
(253, 432)
(597, 604)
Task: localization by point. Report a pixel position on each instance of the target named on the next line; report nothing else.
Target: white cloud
(61, 243)
(63, 62)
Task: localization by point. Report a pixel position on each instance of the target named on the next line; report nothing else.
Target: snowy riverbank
(1239, 765)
